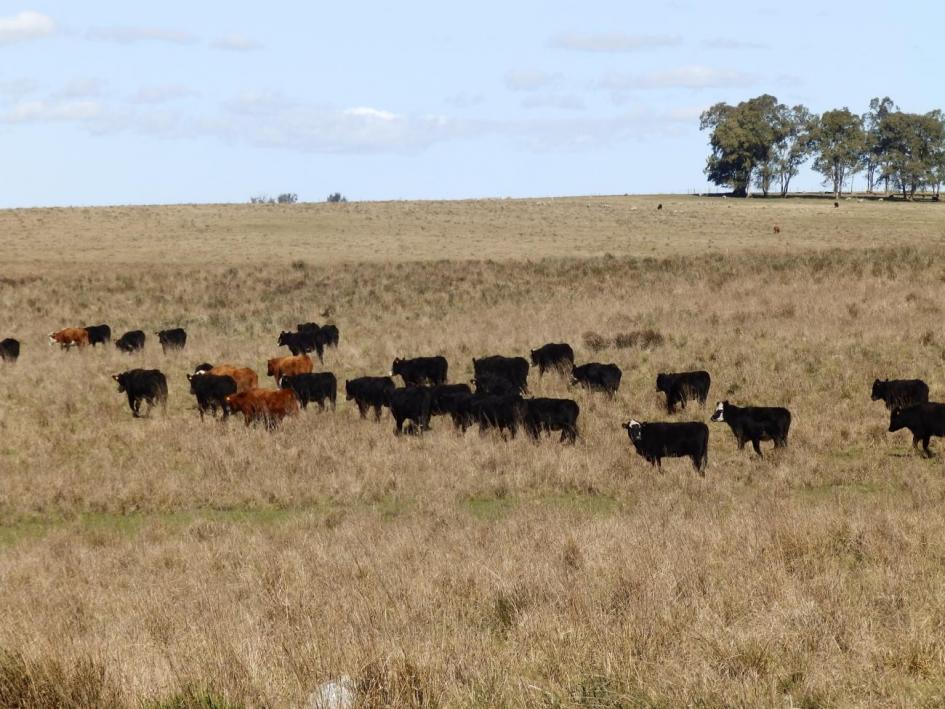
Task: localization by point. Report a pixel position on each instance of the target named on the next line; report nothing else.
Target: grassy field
(169, 562)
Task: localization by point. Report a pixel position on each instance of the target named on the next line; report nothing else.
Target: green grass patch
(491, 508)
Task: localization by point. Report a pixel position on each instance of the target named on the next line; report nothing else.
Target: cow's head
(285, 338)
(879, 388)
(395, 367)
(634, 429)
(121, 379)
(897, 420)
(662, 382)
(534, 361)
(271, 366)
(719, 414)
(283, 382)
(348, 395)
(202, 368)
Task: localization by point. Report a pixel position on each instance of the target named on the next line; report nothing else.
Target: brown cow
(287, 366)
(269, 405)
(69, 337)
(244, 377)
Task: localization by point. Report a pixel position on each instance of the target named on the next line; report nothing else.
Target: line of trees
(763, 143)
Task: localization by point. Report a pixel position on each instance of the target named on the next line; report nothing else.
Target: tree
(336, 197)
(911, 145)
(742, 139)
(287, 198)
(793, 147)
(872, 120)
(839, 142)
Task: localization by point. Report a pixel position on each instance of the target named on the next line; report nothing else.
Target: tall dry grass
(169, 561)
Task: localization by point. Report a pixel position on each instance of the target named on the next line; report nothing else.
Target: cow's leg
(741, 443)
(362, 408)
(133, 405)
(925, 446)
(915, 441)
(756, 444)
(377, 412)
(398, 429)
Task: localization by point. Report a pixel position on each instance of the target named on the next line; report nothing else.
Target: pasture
(168, 561)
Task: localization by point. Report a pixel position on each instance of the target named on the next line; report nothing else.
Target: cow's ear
(115, 377)
(189, 377)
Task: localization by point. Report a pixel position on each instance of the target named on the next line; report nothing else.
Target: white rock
(334, 694)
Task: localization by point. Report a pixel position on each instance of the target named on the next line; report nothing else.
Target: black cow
(923, 420)
(558, 356)
(328, 335)
(307, 327)
(552, 415)
(444, 397)
(755, 424)
(99, 334)
(317, 387)
(131, 341)
(411, 404)
(173, 339)
(147, 384)
(598, 377)
(211, 391)
(9, 349)
(512, 369)
(370, 392)
(488, 385)
(300, 342)
(420, 370)
(679, 387)
(900, 393)
(657, 440)
(501, 412)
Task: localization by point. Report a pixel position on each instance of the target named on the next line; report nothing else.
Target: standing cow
(555, 355)
(679, 387)
(420, 370)
(9, 350)
(923, 421)
(657, 440)
(173, 339)
(755, 424)
(149, 385)
(900, 393)
(70, 337)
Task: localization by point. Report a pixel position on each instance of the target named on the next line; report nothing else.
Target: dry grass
(165, 562)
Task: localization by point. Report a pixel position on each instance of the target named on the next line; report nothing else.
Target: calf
(900, 393)
(244, 377)
(420, 370)
(70, 337)
(557, 356)
(317, 387)
(501, 412)
(131, 341)
(552, 415)
(411, 404)
(211, 391)
(147, 384)
(598, 377)
(370, 392)
(657, 440)
(267, 405)
(923, 421)
(755, 424)
(279, 367)
(173, 339)
(99, 334)
(9, 349)
(512, 369)
(679, 387)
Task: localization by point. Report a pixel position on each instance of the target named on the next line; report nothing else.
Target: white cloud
(17, 88)
(162, 93)
(530, 80)
(565, 102)
(612, 41)
(39, 111)
(236, 43)
(685, 77)
(24, 26)
(131, 35)
(257, 103)
(734, 44)
(465, 99)
(85, 87)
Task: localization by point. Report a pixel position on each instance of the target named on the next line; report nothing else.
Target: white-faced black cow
(900, 393)
(656, 440)
(420, 370)
(679, 387)
(555, 355)
(598, 377)
(923, 421)
(147, 384)
(755, 424)
(9, 350)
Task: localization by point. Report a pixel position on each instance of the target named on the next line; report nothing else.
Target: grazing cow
(923, 421)
(444, 396)
(267, 405)
(598, 377)
(99, 334)
(279, 367)
(317, 387)
(554, 355)
(173, 339)
(488, 385)
(755, 424)
(70, 337)
(420, 370)
(300, 342)
(657, 440)
(512, 369)
(679, 387)
(501, 412)
(900, 393)
(411, 404)
(552, 415)
(370, 392)
(244, 377)
(9, 349)
(131, 341)
(147, 384)
(211, 391)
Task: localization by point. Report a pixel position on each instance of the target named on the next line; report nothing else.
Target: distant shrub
(594, 341)
(644, 339)
(287, 198)
(262, 199)
(336, 197)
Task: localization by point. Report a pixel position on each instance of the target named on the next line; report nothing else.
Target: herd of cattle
(497, 400)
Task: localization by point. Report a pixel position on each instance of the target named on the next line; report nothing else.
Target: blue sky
(118, 102)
